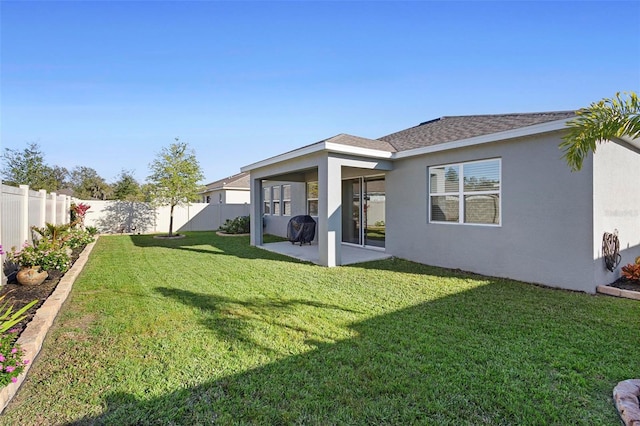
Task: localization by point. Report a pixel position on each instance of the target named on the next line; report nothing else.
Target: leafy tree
(88, 184)
(27, 167)
(175, 174)
(126, 187)
(60, 175)
(600, 122)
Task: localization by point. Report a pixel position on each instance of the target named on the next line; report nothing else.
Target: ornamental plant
(77, 237)
(239, 225)
(56, 234)
(78, 212)
(12, 363)
(8, 318)
(43, 254)
(632, 270)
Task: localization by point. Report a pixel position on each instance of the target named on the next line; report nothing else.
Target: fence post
(54, 208)
(24, 214)
(42, 220)
(67, 208)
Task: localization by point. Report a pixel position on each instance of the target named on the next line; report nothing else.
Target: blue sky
(108, 84)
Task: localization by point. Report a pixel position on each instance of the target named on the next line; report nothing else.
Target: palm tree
(600, 122)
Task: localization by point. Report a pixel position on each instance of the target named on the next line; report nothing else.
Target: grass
(209, 330)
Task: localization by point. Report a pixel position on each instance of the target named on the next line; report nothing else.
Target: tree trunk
(171, 221)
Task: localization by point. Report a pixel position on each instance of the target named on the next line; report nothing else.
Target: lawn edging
(33, 336)
(618, 292)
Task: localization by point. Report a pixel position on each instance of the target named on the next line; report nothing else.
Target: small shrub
(43, 253)
(78, 238)
(632, 270)
(55, 234)
(92, 230)
(239, 225)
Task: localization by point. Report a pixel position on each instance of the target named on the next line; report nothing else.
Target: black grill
(301, 229)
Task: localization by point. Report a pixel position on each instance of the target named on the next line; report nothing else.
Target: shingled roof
(240, 180)
(447, 129)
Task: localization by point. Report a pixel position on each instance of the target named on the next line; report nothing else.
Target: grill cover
(301, 229)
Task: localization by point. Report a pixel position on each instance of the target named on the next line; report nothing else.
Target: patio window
(266, 199)
(286, 200)
(276, 200)
(466, 193)
(312, 198)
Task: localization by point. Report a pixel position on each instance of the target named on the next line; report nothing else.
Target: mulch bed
(626, 284)
(18, 295)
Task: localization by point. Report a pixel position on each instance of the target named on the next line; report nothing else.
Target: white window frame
(311, 199)
(266, 203)
(276, 197)
(461, 193)
(286, 201)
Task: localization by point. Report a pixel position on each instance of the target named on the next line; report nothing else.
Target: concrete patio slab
(310, 253)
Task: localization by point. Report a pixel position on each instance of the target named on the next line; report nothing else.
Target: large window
(266, 198)
(286, 200)
(312, 198)
(276, 200)
(465, 193)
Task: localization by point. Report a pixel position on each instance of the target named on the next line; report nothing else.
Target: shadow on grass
(475, 357)
(232, 319)
(237, 246)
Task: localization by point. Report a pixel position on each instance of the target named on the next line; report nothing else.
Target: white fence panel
(12, 218)
(21, 209)
(125, 216)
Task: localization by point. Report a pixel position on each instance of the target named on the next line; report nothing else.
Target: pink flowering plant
(12, 362)
(43, 253)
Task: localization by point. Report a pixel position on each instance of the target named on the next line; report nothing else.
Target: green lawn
(209, 330)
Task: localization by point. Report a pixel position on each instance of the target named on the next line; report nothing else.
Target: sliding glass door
(363, 211)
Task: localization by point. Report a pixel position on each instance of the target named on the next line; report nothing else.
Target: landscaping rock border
(33, 335)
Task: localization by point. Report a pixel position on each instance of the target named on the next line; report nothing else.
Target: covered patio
(310, 253)
(331, 163)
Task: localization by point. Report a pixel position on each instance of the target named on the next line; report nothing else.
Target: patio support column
(330, 212)
(255, 212)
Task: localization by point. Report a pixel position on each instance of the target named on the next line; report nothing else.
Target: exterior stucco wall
(546, 231)
(616, 175)
(277, 224)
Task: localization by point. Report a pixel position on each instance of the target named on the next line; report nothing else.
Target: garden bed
(18, 295)
(629, 289)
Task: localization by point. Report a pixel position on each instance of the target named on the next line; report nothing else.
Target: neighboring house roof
(239, 181)
(447, 129)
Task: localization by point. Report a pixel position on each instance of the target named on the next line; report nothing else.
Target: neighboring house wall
(236, 196)
(616, 175)
(545, 235)
(227, 196)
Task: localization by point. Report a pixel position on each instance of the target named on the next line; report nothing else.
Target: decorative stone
(625, 396)
(31, 276)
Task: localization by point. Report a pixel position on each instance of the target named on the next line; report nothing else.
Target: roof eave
(319, 147)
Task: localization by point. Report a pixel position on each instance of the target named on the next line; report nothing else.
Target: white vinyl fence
(135, 217)
(22, 208)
